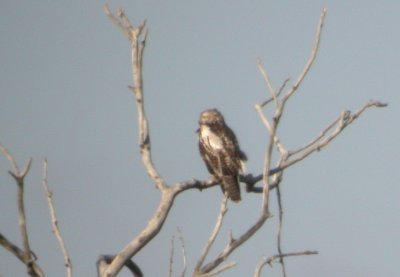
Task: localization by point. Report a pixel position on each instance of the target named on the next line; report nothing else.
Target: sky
(65, 69)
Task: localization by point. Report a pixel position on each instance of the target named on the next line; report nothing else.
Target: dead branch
(220, 269)
(183, 252)
(54, 221)
(268, 82)
(233, 244)
(15, 250)
(266, 102)
(344, 120)
(315, 145)
(103, 261)
(279, 231)
(26, 254)
(10, 158)
(137, 38)
(171, 257)
(271, 259)
(311, 59)
(212, 237)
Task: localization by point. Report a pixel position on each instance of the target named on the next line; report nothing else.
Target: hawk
(220, 151)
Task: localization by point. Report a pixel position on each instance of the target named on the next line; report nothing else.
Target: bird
(219, 148)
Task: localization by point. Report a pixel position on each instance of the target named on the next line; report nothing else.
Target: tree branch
(271, 259)
(316, 144)
(103, 261)
(279, 232)
(311, 59)
(137, 37)
(267, 81)
(266, 102)
(171, 257)
(28, 258)
(213, 236)
(10, 158)
(344, 120)
(15, 250)
(183, 252)
(218, 270)
(54, 221)
(233, 244)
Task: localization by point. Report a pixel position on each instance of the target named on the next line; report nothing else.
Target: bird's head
(210, 117)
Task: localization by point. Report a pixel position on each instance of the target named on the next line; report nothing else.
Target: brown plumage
(220, 151)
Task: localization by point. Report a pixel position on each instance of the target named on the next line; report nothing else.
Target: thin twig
(267, 81)
(183, 252)
(277, 95)
(259, 267)
(317, 138)
(116, 21)
(282, 150)
(211, 239)
(279, 232)
(344, 120)
(271, 259)
(54, 221)
(10, 158)
(218, 270)
(312, 57)
(171, 257)
(234, 244)
(264, 119)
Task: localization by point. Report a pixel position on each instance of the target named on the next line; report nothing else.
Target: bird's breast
(210, 138)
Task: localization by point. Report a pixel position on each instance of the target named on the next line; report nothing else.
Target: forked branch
(26, 254)
(316, 144)
(137, 39)
(272, 259)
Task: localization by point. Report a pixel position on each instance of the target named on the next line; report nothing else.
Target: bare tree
(271, 176)
(263, 183)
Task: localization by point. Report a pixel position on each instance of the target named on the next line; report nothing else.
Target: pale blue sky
(64, 74)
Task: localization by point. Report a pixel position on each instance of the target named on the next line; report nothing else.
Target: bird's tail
(230, 185)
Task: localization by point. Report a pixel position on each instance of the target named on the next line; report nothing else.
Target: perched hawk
(220, 151)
